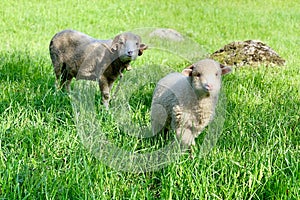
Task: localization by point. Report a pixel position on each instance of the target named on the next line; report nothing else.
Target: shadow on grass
(27, 81)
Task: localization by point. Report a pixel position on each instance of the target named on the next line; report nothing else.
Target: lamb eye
(137, 44)
(121, 42)
(199, 75)
(216, 74)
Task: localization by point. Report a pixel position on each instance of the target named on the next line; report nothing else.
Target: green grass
(258, 152)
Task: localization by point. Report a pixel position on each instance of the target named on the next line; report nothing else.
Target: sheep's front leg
(105, 89)
(185, 135)
(183, 124)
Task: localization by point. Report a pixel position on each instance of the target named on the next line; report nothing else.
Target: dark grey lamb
(77, 55)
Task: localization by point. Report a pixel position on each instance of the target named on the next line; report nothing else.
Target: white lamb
(186, 102)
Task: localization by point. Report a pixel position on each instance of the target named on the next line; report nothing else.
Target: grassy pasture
(257, 154)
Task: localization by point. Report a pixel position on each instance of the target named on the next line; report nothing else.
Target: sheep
(75, 54)
(185, 102)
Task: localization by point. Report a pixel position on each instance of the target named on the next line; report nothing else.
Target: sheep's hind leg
(57, 81)
(58, 74)
(66, 79)
(63, 78)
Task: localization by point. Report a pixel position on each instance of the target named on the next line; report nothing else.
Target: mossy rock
(167, 33)
(247, 53)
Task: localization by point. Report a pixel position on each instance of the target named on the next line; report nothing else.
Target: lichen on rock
(248, 53)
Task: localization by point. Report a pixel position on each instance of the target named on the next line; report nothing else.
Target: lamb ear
(142, 48)
(225, 69)
(114, 47)
(115, 43)
(188, 71)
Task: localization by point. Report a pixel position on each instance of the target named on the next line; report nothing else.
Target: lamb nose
(208, 87)
(129, 53)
